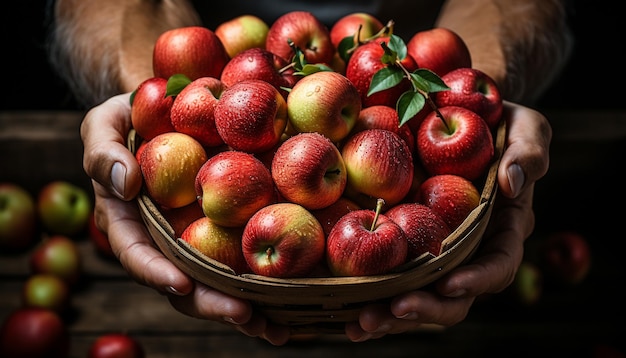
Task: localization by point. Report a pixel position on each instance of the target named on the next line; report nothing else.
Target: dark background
(593, 78)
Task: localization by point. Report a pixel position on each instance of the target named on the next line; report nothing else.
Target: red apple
(459, 143)
(241, 33)
(32, 332)
(18, 218)
(219, 243)
(116, 345)
(251, 116)
(283, 240)
(169, 164)
(46, 290)
(423, 228)
(180, 218)
(260, 64)
(99, 239)
(325, 102)
(192, 112)
(379, 165)
(232, 186)
(566, 256)
(358, 26)
(150, 108)
(451, 197)
(64, 208)
(474, 90)
(329, 215)
(57, 255)
(308, 169)
(306, 31)
(384, 117)
(193, 51)
(365, 242)
(365, 61)
(440, 50)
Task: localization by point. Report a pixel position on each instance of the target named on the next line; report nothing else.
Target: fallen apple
(116, 345)
(18, 218)
(46, 290)
(57, 255)
(64, 208)
(29, 332)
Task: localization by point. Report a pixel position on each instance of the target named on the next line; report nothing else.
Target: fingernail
(383, 328)
(364, 337)
(457, 293)
(118, 178)
(516, 178)
(171, 289)
(409, 316)
(229, 320)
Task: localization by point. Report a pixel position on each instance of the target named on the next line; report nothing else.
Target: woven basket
(324, 304)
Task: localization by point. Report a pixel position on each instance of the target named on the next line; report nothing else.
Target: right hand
(117, 179)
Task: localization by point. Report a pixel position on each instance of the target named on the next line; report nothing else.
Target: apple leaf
(175, 84)
(300, 64)
(345, 48)
(428, 81)
(408, 105)
(398, 46)
(385, 78)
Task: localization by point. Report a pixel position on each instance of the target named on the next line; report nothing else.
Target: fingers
(106, 158)
(526, 157)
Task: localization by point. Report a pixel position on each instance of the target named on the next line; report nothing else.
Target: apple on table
(58, 255)
(34, 332)
(63, 208)
(116, 345)
(566, 256)
(18, 218)
(46, 290)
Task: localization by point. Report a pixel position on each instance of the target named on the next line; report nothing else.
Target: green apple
(64, 208)
(58, 255)
(18, 217)
(325, 102)
(46, 290)
(242, 33)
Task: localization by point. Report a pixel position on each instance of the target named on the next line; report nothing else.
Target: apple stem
(379, 206)
(269, 251)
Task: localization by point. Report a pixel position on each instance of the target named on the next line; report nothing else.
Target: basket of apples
(313, 170)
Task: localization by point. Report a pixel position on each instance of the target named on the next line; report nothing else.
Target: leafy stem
(423, 81)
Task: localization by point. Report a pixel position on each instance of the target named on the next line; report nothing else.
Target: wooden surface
(567, 321)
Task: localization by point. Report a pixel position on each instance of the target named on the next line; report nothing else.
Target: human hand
(493, 267)
(116, 179)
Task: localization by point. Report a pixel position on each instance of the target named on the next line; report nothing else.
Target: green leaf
(389, 56)
(175, 84)
(345, 47)
(435, 82)
(309, 69)
(398, 46)
(408, 105)
(385, 78)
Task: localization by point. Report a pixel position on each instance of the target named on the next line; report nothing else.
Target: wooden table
(568, 321)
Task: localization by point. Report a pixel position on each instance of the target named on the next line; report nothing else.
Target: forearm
(523, 45)
(103, 48)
